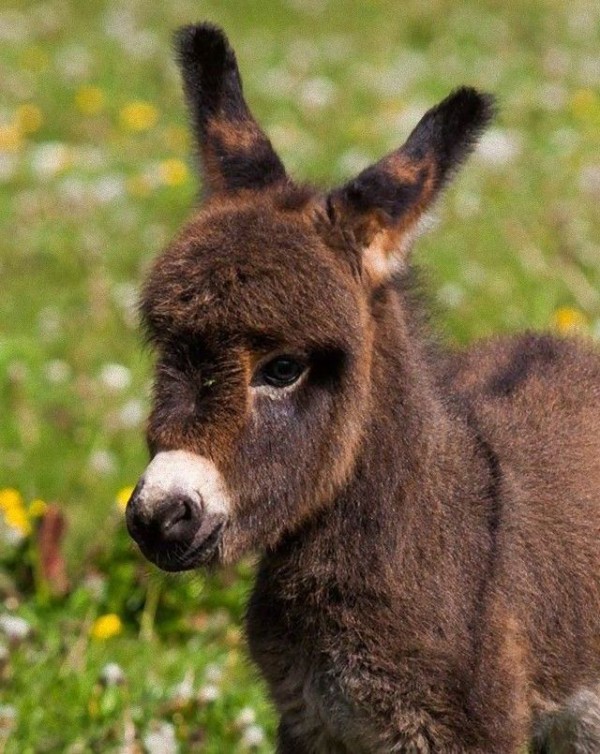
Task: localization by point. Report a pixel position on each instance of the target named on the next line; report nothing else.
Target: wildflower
(566, 319)
(123, 496)
(115, 377)
(139, 116)
(10, 138)
(161, 740)
(253, 737)
(173, 172)
(90, 100)
(106, 626)
(37, 508)
(13, 510)
(29, 118)
(15, 629)
(209, 693)
(50, 158)
(102, 461)
(245, 718)
(112, 675)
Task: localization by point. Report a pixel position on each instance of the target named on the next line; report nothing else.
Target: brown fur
(429, 522)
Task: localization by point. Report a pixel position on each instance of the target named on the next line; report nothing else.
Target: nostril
(179, 519)
(179, 511)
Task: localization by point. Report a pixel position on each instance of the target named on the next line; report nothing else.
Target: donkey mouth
(174, 558)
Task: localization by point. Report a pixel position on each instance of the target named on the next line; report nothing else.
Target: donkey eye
(281, 371)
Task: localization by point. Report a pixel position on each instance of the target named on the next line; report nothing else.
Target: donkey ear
(382, 206)
(234, 152)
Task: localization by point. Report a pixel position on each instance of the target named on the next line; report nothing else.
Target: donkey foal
(428, 520)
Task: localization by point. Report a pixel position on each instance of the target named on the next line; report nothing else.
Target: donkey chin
(178, 511)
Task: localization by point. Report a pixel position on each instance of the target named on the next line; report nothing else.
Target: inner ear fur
(383, 206)
(234, 152)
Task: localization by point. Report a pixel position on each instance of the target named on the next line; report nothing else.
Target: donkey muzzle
(178, 510)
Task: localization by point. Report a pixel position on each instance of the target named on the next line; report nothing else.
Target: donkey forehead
(252, 271)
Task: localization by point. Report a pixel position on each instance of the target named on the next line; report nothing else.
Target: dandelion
(29, 118)
(10, 138)
(106, 626)
(13, 510)
(173, 172)
(566, 320)
(139, 116)
(90, 100)
(37, 508)
(123, 496)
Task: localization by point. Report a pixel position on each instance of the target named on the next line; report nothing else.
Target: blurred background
(98, 653)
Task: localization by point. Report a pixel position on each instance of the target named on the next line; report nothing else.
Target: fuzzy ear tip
(475, 107)
(198, 41)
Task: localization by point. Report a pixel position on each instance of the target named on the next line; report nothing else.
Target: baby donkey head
(268, 314)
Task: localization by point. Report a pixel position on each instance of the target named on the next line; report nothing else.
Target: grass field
(95, 177)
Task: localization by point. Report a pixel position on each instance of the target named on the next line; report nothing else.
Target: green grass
(86, 203)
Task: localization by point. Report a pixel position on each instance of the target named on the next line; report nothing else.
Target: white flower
(102, 462)
(112, 674)
(213, 673)
(253, 736)
(209, 693)
(245, 718)
(498, 147)
(161, 740)
(49, 158)
(108, 188)
(131, 414)
(184, 691)
(115, 377)
(57, 371)
(318, 93)
(15, 629)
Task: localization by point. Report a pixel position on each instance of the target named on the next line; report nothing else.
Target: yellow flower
(37, 508)
(173, 172)
(13, 510)
(566, 319)
(123, 496)
(139, 115)
(9, 499)
(17, 519)
(90, 100)
(106, 626)
(10, 138)
(29, 118)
